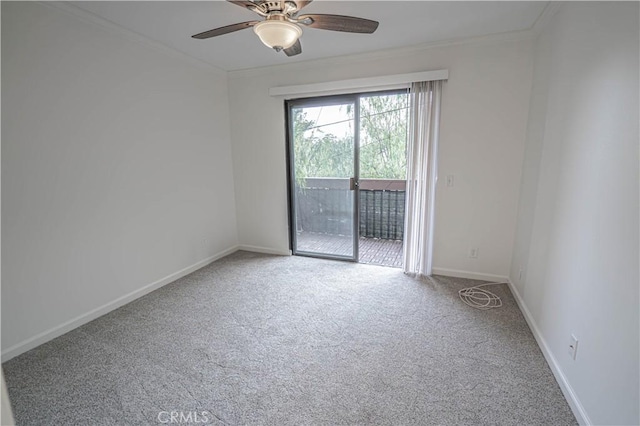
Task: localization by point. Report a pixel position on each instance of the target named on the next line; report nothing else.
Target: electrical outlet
(473, 252)
(573, 347)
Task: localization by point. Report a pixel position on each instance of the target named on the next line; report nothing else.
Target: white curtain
(422, 154)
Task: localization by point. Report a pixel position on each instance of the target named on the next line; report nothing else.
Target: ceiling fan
(281, 27)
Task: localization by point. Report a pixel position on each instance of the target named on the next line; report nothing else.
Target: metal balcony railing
(324, 205)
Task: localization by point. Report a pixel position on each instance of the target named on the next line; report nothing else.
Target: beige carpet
(257, 339)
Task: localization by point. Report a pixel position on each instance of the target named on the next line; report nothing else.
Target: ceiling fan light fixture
(278, 34)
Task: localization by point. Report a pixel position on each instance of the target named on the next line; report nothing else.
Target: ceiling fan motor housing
(268, 7)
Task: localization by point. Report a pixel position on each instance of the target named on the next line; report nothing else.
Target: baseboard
(265, 250)
(65, 327)
(565, 387)
(468, 274)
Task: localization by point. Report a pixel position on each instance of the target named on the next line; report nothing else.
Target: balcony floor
(372, 250)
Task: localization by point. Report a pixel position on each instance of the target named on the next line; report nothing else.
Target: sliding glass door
(323, 173)
(347, 176)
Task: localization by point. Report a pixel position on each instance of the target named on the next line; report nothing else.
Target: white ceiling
(402, 23)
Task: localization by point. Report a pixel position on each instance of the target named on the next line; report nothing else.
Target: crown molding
(550, 9)
(383, 54)
(547, 13)
(114, 28)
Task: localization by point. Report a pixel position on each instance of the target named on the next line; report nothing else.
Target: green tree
(383, 136)
(318, 153)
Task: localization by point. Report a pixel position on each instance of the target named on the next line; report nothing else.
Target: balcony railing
(324, 205)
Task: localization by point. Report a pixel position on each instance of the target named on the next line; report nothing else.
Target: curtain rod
(396, 81)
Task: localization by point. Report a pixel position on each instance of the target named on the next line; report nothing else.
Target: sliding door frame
(354, 98)
(291, 193)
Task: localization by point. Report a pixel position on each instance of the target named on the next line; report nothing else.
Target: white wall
(116, 168)
(577, 238)
(484, 112)
(6, 415)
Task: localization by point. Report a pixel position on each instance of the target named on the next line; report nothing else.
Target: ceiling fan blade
(296, 49)
(243, 3)
(225, 30)
(349, 24)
